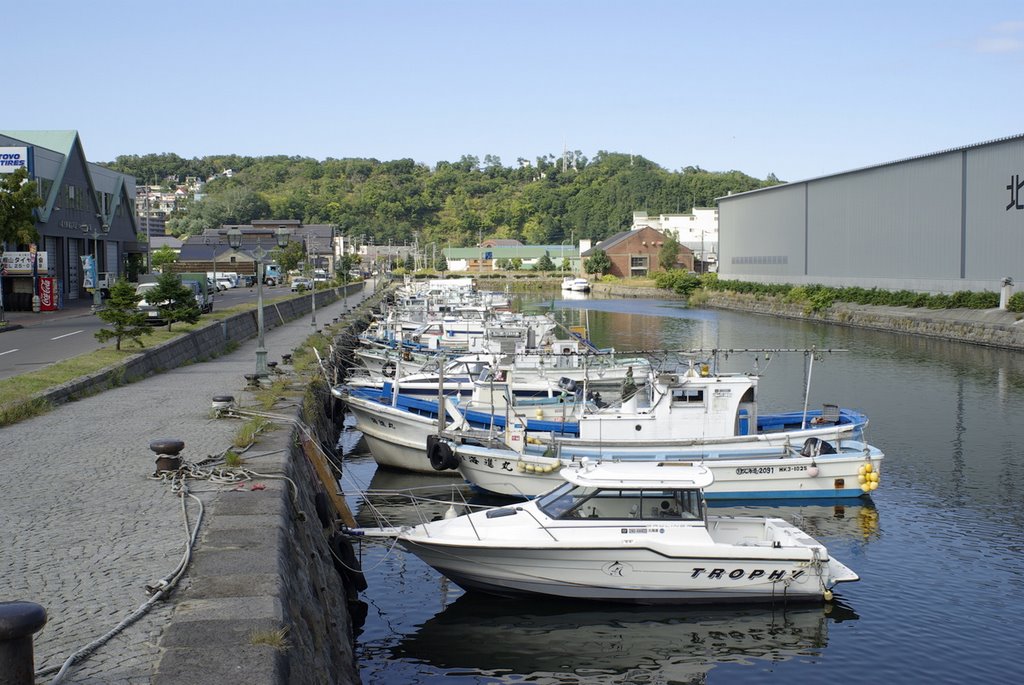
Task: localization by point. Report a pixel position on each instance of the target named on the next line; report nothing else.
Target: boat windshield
(575, 502)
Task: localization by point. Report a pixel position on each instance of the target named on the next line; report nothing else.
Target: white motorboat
(625, 532)
(576, 284)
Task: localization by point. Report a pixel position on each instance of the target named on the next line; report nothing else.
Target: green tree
(441, 264)
(162, 256)
(174, 300)
(516, 264)
(566, 265)
(123, 315)
(18, 198)
(668, 254)
(503, 263)
(410, 263)
(290, 256)
(346, 264)
(597, 263)
(544, 263)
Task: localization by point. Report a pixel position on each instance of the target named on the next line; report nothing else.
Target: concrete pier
(86, 527)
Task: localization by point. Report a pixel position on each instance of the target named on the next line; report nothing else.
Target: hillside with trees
(549, 201)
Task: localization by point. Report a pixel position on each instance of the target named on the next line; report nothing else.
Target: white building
(697, 230)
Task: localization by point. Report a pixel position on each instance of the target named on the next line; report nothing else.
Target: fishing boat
(625, 532)
(700, 415)
(819, 469)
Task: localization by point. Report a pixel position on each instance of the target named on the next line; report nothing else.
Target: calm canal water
(939, 547)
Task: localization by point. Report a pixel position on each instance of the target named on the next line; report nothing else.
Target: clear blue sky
(799, 89)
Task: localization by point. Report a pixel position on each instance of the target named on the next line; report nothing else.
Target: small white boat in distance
(626, 532)
(579, 285)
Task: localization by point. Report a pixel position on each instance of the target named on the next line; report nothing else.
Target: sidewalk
(72, 308)
(85, 528)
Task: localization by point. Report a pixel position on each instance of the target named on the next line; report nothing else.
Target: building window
(638, 265)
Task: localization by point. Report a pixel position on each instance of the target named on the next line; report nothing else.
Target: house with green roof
(493, 255)
(87, 210)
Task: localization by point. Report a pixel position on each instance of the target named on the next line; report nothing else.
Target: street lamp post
(311, 258)
(235, 241)
(97, 296)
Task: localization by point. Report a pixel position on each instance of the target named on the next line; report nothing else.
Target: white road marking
(8, 351)
(66, 335)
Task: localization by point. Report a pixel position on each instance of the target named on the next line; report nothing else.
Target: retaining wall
(990, 327)
(201, 344)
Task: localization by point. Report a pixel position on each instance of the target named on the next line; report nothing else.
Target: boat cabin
(693, 405)
(664, 491)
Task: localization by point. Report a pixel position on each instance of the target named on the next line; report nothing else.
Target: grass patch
(233, 459)
(24, 386)
(13, 412)
(267, 397)
(277, 639)
(303, 357)
(247, 434)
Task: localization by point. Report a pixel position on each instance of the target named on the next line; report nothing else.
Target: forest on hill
(547, 202)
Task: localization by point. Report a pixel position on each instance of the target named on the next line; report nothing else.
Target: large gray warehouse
(942, 222)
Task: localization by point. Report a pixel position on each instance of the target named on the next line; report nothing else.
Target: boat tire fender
(345, 562)
(388, 369)
(440, 453)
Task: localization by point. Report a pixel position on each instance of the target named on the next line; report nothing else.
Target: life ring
(567, 351)
(440, 454)
(388, 369)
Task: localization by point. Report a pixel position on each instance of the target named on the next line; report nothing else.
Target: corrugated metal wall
(763, 233)
(994, 233)
(935, 223)
(891, 222)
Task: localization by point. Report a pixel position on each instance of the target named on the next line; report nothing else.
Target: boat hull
(638, 575)
(737, 476)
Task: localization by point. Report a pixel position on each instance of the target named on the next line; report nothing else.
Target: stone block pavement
(85, 528)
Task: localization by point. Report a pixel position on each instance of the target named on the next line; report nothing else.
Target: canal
(939, 546)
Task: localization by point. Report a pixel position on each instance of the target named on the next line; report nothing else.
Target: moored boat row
(585, 439)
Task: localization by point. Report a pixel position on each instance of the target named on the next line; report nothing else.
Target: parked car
(301, 283)
(223, 283)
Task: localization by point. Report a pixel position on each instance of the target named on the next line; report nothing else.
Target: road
(52, 340)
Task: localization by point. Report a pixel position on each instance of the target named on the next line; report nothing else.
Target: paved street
(85, 528)
(44, 338)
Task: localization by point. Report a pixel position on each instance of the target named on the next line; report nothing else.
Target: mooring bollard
(19, 621)
(167, 451)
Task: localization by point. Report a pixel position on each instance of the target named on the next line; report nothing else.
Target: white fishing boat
(819, 469)
(625, 532)
(517, 449)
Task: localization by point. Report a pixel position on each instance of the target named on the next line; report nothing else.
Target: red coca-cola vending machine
(49, 298)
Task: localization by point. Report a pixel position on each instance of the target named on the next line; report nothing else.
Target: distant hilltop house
(697, 230)
(635, 253)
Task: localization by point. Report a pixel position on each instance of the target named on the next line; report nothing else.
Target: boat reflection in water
(503, 637)
(819, 518)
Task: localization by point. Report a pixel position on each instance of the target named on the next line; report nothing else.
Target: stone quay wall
(265, 561)
(989, 327)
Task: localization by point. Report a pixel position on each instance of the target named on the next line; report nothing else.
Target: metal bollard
(167, 451)
(19, 621)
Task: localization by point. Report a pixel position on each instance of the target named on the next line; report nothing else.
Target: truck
(272, 274)
(199, 285)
